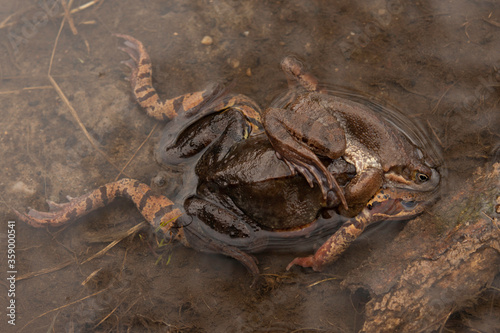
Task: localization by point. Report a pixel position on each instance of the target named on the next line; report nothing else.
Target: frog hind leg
(294, 71)
(146, 95)
(158, 210)
(188, 107)
(215, 229)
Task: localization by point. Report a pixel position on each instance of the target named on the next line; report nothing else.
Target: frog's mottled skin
(249, 197)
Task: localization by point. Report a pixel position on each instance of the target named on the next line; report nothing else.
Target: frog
(381, 154)
(262, 180)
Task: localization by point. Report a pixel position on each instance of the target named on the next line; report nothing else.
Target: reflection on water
(436, 63)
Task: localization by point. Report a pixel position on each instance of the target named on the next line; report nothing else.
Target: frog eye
(421, 177)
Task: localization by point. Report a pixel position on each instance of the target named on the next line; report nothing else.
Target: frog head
(415, 172)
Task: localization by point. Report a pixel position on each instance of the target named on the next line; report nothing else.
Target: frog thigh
(146, 95)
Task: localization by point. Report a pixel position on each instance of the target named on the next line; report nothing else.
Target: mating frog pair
(288, 175)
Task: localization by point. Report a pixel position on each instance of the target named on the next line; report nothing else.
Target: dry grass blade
(68, 17)
(84, 6)
(109, 314)
(68, 104)
(6, 23)
(137, 150)
(435, 135)
(493, 23)
(17, 91)
(84, 282)
(131, 231)
(82, 127)
(321, 281)
(434, 109)
(13, 18)
(45, 270)
(62, 307)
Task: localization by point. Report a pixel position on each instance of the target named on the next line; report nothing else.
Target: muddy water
(435, 61)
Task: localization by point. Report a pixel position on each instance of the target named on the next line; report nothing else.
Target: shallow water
(435, 61)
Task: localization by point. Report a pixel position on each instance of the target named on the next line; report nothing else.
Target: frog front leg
(361, 189)
(188, 107)
(300, 134)
(158, 210)
(336, 244)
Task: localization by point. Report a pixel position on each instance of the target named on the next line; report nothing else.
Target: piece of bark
(438, 264)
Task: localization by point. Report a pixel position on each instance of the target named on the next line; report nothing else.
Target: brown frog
(248, 196)
(319, 124)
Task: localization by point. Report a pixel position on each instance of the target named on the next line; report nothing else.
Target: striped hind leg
(146, 95)
(189, 107)
(158, 210)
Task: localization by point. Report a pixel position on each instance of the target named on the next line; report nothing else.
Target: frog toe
(129, 63)
(39, 219)
(304, 262)
(54, 206)
(131, 52)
